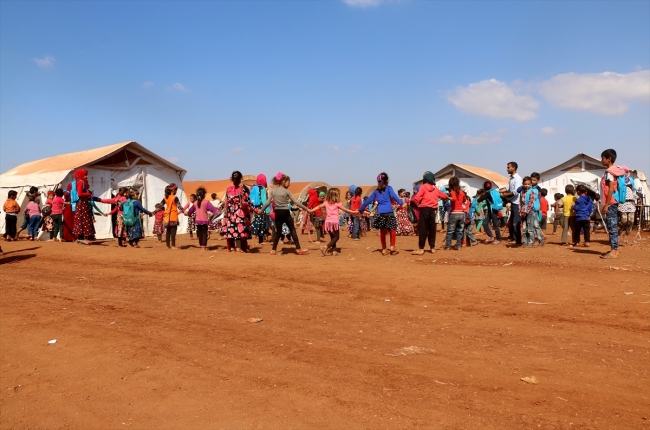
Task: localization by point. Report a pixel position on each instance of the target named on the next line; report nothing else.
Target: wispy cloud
(548, 131)
(484, 138)
(364, 3)
(235, 151)
(148, 85)
(46, 62)
(354, 149)
(494, 99)
(173, 159)
(605, 93)
(178, 87)
(333, 148)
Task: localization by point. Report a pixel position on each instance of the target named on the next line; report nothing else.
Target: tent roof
(498, 179)
(75, 160)
(580, 156)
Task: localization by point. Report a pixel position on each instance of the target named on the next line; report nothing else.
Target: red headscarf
(80, 175)
(261, 180)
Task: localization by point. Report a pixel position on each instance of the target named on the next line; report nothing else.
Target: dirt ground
(156, 339)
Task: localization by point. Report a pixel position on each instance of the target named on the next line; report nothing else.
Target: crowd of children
(266, 212)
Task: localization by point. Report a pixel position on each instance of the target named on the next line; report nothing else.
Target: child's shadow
(14, 258)
(586, 251)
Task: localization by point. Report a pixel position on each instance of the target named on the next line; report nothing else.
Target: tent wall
(555, 182)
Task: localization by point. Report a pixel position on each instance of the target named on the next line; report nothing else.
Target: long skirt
(404, 226)
(68, 224)
(259, 226)
(83, 220)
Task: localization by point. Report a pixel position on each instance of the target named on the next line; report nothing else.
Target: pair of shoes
(488, 240)
(419, 252)
(495, 242)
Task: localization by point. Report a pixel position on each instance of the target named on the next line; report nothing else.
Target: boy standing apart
(608, 186)
(11, 209)
(543, 207)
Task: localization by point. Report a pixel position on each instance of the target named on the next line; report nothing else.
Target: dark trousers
(57, 229)
(10, 226)
(334, 237)
(515, 223)
(427, 227)
(202, 234)
(492, 217)
(171, 235)
(283, 216)
(581, 226)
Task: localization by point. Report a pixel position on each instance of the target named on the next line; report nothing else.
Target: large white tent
(583, 169)
(109, 167)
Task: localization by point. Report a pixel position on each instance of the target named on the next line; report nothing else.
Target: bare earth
(156, 339)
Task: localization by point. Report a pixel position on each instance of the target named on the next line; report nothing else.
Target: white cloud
(354, 149)
(236, 151)
(445, 139)
(45, 62)
(363, 3)
(605, 93)
(147, 85)
(176, 87)
(549, 130)
(333, 148)
(173, 159)
(494, 99)
(466, 139)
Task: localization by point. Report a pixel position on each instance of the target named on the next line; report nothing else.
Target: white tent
(583, 169)
(109, 167)
(471, 178)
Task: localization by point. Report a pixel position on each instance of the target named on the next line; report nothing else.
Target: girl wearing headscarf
(83, 227)
(236, 208)
(427, 199)
(259, 196)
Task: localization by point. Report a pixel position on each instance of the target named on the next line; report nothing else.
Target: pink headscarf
(261, 180)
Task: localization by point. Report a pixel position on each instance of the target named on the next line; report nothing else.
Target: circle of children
(266, 212)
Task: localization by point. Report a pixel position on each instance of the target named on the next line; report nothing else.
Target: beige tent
(109, 167)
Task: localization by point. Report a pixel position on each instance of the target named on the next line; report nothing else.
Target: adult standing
(512, 196)
(83, 228)
(427, 200)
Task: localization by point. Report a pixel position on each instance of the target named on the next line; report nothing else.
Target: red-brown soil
(156, 339)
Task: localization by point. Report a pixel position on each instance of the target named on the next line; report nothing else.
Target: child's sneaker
(495, 242)
(489, 240)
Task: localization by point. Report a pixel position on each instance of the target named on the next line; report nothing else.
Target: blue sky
(328, 90)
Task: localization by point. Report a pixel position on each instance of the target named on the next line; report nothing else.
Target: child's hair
(544, 192)
(31, 197)
(569, 189)
(59, 192)
(358, 191)
(487, 185)
(597, 197)
(527, 179)
(400, 191)
(133, 194)
(214, 196)
(535, 175)
(480, 192)
(583, 189)
(193, 196)
(609, 153)
(408, 194)
(280, 181)
(123, 190)
(170, 188)
(200, 195)
(382, 182)
(33, 190)
(158, 206)
(365, 198)
(333, 195)
(557, 196)
(12, 193)
(236, 177)
(454, 185)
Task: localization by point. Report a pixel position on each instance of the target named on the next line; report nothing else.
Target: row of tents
(132, 165)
